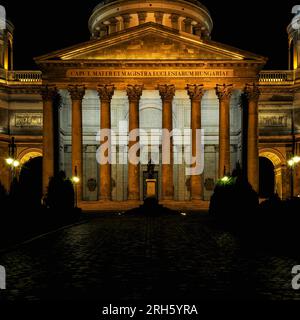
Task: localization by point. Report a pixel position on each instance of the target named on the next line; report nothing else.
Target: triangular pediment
(150, 42)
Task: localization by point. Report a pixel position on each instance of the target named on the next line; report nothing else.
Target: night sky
(258, 26)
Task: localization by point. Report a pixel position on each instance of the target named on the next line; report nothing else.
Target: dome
(188, 16)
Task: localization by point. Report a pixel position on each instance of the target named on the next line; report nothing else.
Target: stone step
(121, 206)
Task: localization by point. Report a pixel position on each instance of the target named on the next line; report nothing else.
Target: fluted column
(175, 21)
(188, 25)
(126, 20)
(159, 17)
(134, 94)
(198, 29)
(224, 93)
(142, 16)
(77, 93)
(106, 93)
(113, 25)
(252, 96)
(167, 93)
(195, 93)
(48, 95)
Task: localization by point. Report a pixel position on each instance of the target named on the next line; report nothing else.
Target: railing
(276, 77)
(25, 76)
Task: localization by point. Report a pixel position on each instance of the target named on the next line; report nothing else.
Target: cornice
(150, 64)
(35, 89)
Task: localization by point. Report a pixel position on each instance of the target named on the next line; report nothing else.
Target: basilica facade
(152, 66)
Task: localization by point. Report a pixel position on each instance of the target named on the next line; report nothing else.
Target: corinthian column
(224, 93)
(167, 93)
(77, 93)
(195, 93)
(252, 95)
(106, 93)
(48, 95)
(134, 94)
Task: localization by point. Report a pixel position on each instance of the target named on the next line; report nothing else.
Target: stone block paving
(171, 258)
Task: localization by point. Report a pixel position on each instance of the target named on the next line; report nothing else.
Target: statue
(150, 169)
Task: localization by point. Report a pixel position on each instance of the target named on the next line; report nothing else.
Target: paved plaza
(137, 258)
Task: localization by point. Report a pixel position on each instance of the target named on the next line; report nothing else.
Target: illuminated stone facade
(152, 65)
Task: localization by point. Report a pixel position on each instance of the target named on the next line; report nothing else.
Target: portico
(115, 83)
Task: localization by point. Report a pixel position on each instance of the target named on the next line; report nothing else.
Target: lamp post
(76, 181)
(292, 163)
(11, 161)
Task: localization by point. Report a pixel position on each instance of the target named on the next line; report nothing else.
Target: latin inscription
(205, 73)
(273, 121)
(28, 120)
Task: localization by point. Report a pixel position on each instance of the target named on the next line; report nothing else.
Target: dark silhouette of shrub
(234, 201)
(3, 200)
(60, 196)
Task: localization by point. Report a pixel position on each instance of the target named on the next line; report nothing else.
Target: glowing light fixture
(16, 163)
(291, 163)
(9, 161)
(76, 180)
(294, 161)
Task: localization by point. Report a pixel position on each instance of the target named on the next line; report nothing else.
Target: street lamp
(76, 181)
(11, 161)
(292, 163)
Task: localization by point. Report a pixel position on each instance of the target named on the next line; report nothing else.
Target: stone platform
(121, 206)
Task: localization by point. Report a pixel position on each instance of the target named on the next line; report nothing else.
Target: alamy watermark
(2, 18)
(180, 147)
(2, 278)
(296, 19)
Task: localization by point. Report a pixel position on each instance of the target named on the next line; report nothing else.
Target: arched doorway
(30, 177)
(28, 155)
(271, 173)
(266, 178)
(30, 180)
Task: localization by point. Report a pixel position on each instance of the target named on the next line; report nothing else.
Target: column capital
(106, 92)
(134, 92)
(167, 92)
(252, 92)
(76, 92)
(49, 93)
(195, 91)
(224, 91)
